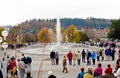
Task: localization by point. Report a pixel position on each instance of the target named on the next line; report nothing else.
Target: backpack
(28, 60)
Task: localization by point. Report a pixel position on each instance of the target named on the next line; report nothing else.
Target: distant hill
(35, 25)
(91, 22)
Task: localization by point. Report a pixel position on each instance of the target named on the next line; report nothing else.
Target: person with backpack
(88, 57)
(28, 67)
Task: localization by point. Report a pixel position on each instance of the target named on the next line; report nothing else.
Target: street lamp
(4, 45)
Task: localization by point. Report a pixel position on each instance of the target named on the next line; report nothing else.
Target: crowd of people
(90, 58)
(16, 68)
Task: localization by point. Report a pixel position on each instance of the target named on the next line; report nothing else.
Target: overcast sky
(13, 12)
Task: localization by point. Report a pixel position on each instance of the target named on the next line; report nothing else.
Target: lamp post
(4, 45)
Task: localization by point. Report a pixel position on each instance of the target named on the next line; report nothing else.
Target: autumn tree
(72, 34)
(44, 35)
(29, 37)
(1, 29)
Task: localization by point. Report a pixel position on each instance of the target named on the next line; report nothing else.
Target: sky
(13, 12)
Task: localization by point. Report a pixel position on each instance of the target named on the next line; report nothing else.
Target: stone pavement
(57, 69)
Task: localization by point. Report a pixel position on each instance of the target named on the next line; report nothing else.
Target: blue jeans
(70, 62)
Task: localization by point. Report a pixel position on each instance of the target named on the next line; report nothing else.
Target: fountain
(58, 32)
(58, 46)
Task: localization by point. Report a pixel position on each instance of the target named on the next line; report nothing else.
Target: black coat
(1, 75)
(52, 76)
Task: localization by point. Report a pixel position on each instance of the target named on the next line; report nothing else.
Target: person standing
(70, 55)
(23, 58)
(28, 66)
(21, 68)
(52, 56)
(93, 57)
(65, 65)
(89, 73)
(88, 57)
(78, 57)
(83, 56)
(81, 74)
(108, 70)
(113, 54)
(117, 64)
(98, 55)
(103, 52)
(117, 74)
(74, 58)
(57, 58)
(98, 70)
(13, 67)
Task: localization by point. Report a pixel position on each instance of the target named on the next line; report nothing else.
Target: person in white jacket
(117, 74)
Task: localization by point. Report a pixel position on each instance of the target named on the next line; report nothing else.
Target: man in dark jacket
(52, 56)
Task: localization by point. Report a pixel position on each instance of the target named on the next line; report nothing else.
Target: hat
(50, 72)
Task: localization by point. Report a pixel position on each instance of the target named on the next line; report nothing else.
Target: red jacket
(69, 55)
(108, 70)
(12, 64)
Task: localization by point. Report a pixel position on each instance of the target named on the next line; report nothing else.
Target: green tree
(83, 36)
(114, 33)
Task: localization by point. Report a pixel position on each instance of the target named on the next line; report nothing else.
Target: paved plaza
(57, 69)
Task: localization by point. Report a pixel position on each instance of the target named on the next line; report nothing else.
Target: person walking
(98, 70)
(81, 74)
(64, 63)
(70, 55)
(83, 56)
(57, 58)
(78, 58)
(52, 57)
